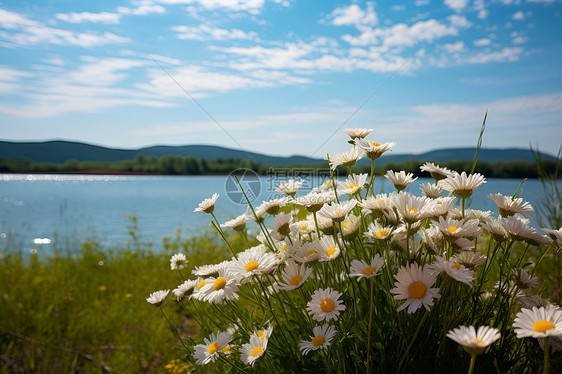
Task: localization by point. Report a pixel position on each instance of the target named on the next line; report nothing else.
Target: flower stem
(370, 324)
(174, 329)
(472, 364)
(546, 368)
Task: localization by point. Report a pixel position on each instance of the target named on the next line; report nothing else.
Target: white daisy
(307, 252)
(237, 224)
(337, 212)
(413, 285)
(433, 239)
(157, 298)
(346, 158)
(280, 227)
(289, 187)
(353, 184)
(178, 261)
(374, 150)
(210, 351)
(321, 339)
(452, 269)
(181, 291)
(538, 322)
(249, 263)
(198, 290)
(314, 201)
(293, 275)
(400, 179)
(508, 206)
(461, 184)
(325, 305)
(220, 288)
(523, 280)
(263, 335)
(350, 226)
(432, 191)
(273, 207)
(361, 269)
(410, 208)
(326, 247)
(252, 351)
(379, 203)
(469, 259)
(453, 229)
(442, 206)
(357, 133)
(555, 235)
(496, 229)
(436, 171)
(474, 342)
(377, 232)
(207, 205)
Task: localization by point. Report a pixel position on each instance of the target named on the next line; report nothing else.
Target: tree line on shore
(178, 165)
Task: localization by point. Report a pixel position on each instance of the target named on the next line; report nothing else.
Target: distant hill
(61, 151)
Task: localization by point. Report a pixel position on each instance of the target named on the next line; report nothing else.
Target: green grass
(84, 309)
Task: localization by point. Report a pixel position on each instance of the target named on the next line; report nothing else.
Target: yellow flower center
(328, 182)
(344, 224)
(295, 280)
(327, 305)
(303, 227)
(338, 212)
(330, 252)
(256, 351)
(261, 335)
(213, 348)
(413, 210)
(369, 270)
(200, 285)
(283, 249)
(252, 265)
(543, 326)
(478, 341)
(456, 266)
(226, 348)
(452, 228)
(310, 253)
(375, 144)
(382, 233)
(353, 186)
(417, 290)
(318, 340)
(219, 284)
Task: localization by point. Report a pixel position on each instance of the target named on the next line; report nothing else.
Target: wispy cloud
(207, 32)
(24, 31)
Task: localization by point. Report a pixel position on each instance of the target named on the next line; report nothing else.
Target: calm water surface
(35, 207)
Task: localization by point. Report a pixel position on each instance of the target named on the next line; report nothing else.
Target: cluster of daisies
(314, 250)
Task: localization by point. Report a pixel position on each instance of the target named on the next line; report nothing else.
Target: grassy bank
(84, 309)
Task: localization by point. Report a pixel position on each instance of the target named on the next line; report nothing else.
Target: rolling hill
(59, 151)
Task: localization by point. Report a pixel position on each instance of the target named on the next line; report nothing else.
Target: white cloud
(103, 17)
(519, 40)
(251, 6)
(454, 47)
(519, 16)
(507, 54)
(421, 2)
(456, 5)
(483, 14)
(12, 75)
(482, 42)
(353, 15)
(144, 8)
(206, 32)
(459, 21)
(398, 8)
(29, 32)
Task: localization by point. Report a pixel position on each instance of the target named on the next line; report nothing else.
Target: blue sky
(282, 77)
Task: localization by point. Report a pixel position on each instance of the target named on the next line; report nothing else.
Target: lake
(75, 207)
